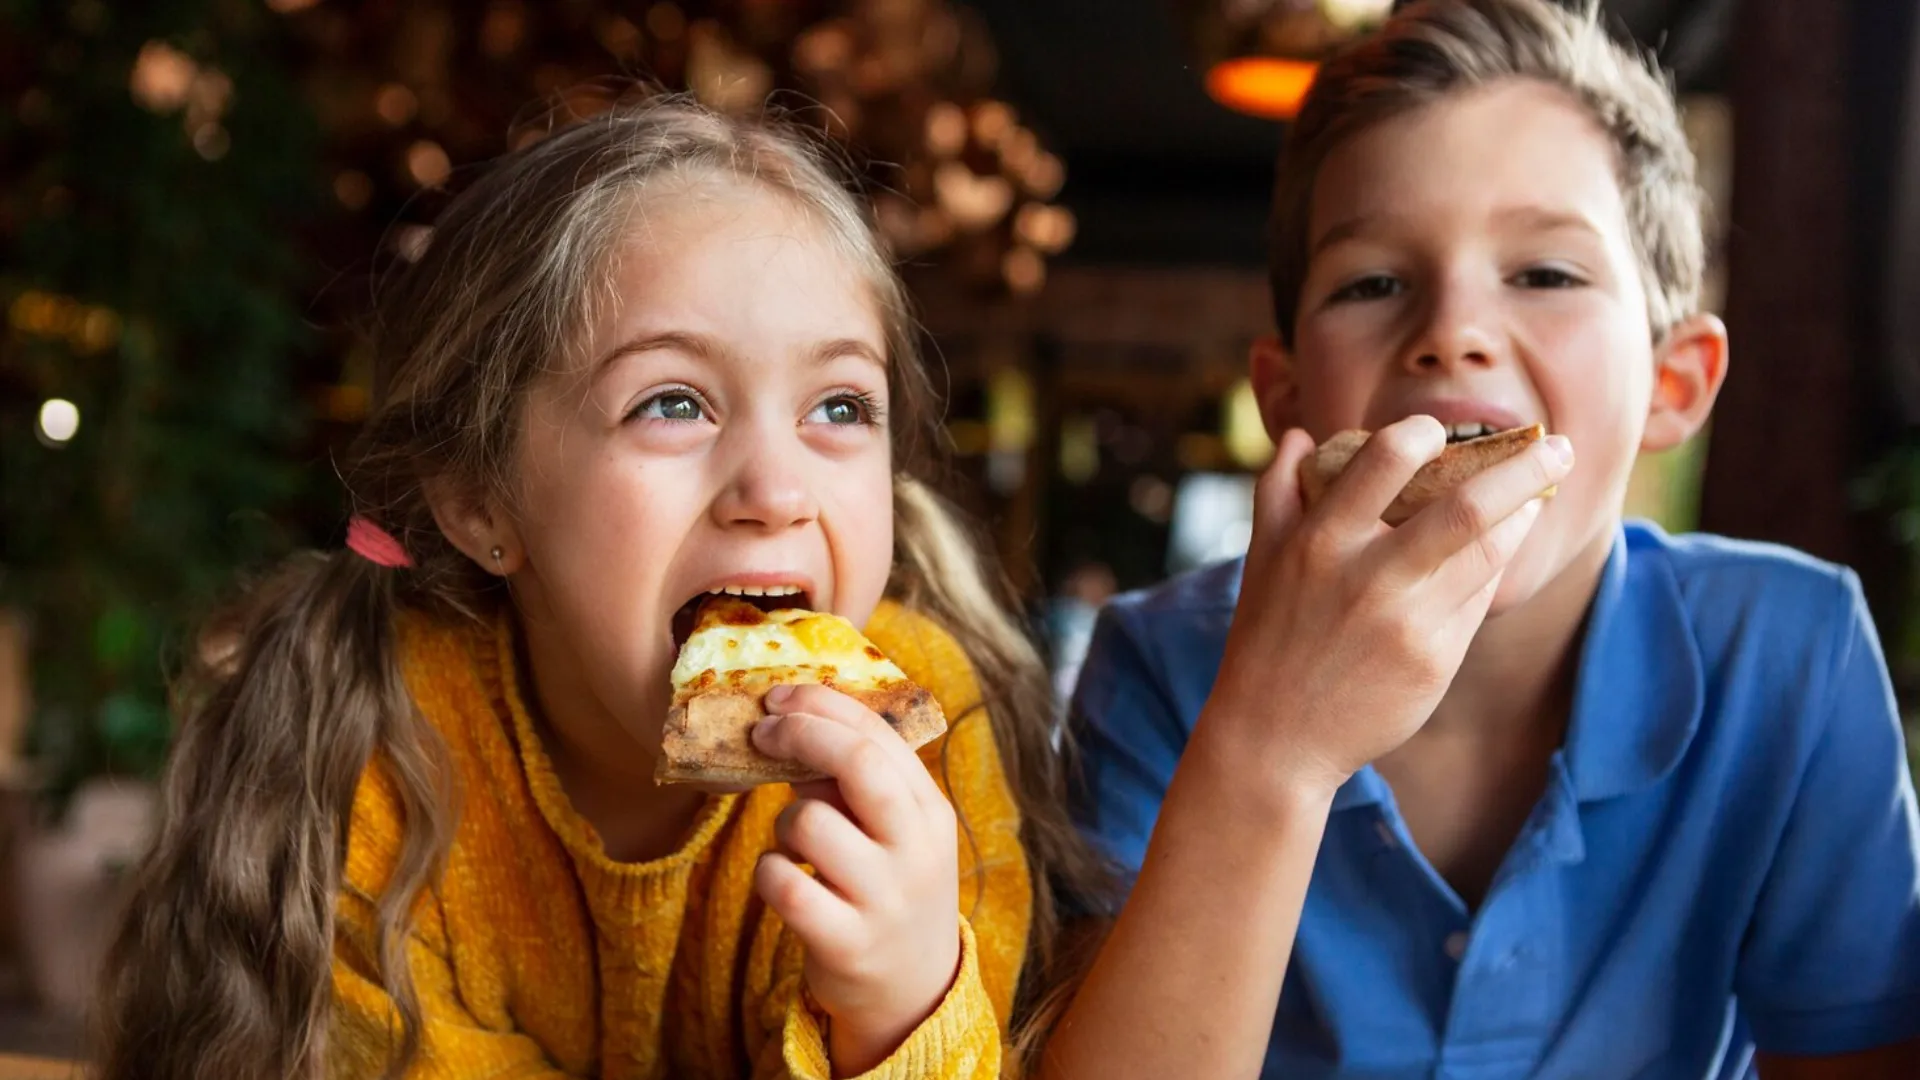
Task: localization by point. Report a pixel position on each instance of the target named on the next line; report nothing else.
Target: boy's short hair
(1434, 49)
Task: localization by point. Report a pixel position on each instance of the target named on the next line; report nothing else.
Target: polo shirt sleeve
(1831, 961)
(1128, 735)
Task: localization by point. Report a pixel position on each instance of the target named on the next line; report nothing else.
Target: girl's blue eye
(841, 411)
(846, 410)
(676, 406)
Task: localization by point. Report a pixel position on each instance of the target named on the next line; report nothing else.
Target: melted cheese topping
(733, 635)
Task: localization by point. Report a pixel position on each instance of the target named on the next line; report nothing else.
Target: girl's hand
(880, 918)
(1348, 631)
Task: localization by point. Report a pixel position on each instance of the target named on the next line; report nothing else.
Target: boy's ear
(476, 526)
(1271, 371)
(1689, 367)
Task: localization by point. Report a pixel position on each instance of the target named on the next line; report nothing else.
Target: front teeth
(1462, 432)
(755, 590)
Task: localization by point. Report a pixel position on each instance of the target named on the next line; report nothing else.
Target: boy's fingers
(1381, 468)
(1277, 504)
(1478, 566)
(1432, 537)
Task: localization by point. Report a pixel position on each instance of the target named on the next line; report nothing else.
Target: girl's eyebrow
(711, 349)
(828, 351)
(686, 341)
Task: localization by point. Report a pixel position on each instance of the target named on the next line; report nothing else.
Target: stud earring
(497, 554)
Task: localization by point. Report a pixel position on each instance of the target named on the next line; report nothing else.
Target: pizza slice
(1458, 463)
(738, 651)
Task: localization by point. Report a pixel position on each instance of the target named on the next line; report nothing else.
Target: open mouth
(1459, 433)
(766, 598)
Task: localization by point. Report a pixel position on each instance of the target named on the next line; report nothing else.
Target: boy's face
(1472, 261)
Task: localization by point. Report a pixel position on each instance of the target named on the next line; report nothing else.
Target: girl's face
(729, 430)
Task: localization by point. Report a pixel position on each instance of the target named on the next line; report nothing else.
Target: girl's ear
(477, 525)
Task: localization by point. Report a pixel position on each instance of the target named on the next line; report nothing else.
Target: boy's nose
(1456, 332)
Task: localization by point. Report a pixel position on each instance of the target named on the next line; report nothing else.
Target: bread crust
(709, 738)
(1458, 463)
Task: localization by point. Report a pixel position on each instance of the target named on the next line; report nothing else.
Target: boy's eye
(675, 405)
(1371, 287)
(1546, 277)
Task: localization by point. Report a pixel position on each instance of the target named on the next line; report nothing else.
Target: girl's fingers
(834, 705)
(827, 791)
(846, 859)
(822, 919)
(876, 789)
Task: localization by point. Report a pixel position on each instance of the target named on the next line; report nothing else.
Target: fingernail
(763, 730)
(1563, 447)
(778, 696)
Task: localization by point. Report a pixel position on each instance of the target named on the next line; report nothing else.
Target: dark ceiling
(1156, 172)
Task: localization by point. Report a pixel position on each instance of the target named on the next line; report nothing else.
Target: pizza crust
(709, 734)
(1457, 464)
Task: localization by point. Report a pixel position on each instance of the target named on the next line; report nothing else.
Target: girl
(410, 827)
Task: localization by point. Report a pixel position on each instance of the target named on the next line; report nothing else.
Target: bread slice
(737, 653)
(1456, 464)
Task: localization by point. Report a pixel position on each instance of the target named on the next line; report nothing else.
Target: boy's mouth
(1464, 418)
(764, 597)
(1459, 433)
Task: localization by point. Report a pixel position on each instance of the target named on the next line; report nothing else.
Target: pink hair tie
(375, 544)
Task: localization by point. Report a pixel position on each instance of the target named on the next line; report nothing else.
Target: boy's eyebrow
(1534, 218)
(706, 348)
(1546, 219)
(1342, 231)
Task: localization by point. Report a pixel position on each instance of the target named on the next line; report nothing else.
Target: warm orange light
(428, 164)
(1263, 86)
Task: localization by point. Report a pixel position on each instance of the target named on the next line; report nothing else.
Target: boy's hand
(880, 920)
(1348, 631)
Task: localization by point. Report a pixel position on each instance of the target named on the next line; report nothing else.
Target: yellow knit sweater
(537, 956)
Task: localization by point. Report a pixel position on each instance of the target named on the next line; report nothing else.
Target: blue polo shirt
(1727, 854)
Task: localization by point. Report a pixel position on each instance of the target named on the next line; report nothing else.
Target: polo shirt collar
(1364, 788)
(1641, 685)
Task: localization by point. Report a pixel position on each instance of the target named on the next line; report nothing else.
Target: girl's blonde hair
(222, 967)
(1435, 49)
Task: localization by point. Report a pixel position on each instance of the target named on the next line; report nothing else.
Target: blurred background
(196, 196)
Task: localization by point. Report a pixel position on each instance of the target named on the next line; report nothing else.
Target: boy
(1638, 807)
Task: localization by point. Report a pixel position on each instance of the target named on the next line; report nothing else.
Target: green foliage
(149, 265)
